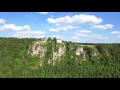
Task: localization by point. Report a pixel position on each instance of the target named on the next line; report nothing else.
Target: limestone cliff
(55, 52)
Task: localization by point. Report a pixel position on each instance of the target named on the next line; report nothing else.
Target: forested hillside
(34, 58)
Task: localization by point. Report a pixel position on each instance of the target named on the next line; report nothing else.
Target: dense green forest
(16, 63)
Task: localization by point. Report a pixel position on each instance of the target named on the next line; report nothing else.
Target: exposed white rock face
(37, 48)
(79, 51)
(40, 63)
(71, 57)
(107, 53)
(95, 53)
(57, 55)
(49, 61)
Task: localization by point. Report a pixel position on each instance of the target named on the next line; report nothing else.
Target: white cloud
(42, 12)
(54, 30)
(80, 33)
(84, 31)
(81, 19)
(115, 32)
(2, 21)
(74, 39)
(14, 27)
(97, 36)
(58, 25)
(25, 34)
(103, 27)
(64, 28)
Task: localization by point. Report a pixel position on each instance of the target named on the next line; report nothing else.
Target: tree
(55, 39)
(49, 39)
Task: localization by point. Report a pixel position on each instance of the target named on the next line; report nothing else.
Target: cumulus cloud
(97, 36)
(54, 30)
(26, 34)
(80, 33)
(115, 32)
(103, 27)
(81, 19)
(75, 38)
(2, 21)
(84, 31)
(42, 12)
(14, 27)
(64, 28)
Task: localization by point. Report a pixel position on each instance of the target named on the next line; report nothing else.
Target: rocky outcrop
(58, 51)
(107, 53)
(95, 53)
(56, 56)
(37, 48)
(81, 52)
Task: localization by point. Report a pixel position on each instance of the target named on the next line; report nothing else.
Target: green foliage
(49, 39)
(16, 63)
(49, 52)
(55, 39)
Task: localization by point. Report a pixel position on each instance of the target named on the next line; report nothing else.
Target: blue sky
(82, 27)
